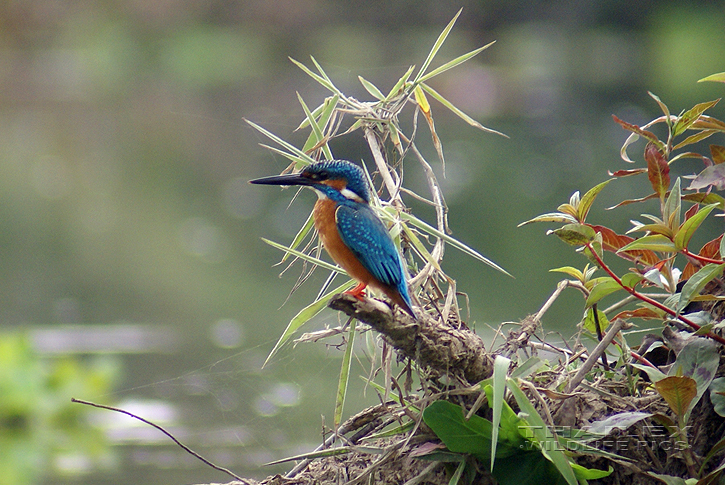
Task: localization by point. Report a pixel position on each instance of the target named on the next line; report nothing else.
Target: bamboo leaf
(304, 316)
(397, 88)
(371, 88)
(455, 62)
(299, 237)
(305, 256)
(452, 241)
(316, 136)
(543, 435)
(291, 148)
(719, 78)
(324, 81)
(458, 112)
(500, 371)
(344, 374)
(436, 47)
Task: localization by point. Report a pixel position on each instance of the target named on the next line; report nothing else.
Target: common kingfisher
(351, 232)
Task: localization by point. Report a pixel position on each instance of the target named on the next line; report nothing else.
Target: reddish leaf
(708, 123)
(643, 313)
(709, 250)
(636, 129)
(658, 170)
(691, 211)
(633, 201)
(718, 153)
(627, 173)
(611, 241)
(704, 198)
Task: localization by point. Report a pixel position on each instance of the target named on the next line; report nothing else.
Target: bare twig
(182, 445)
(598, 351)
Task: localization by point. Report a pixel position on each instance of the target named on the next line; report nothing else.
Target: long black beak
(288, 179)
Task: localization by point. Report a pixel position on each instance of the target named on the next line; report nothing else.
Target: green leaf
(697, 282)
(574, 234)
(316, 135)
(591, 325)
(458, 112)
(552, 217)
(673, 206)
(588, 199)
(688, 228)
(663, 106)
(299, 237)
(452, 241)
(718, 78)
(532, 364)
(304, 316)
(605, 286)
(305, 256)
(678, 392)
(397, 88)
(690, 116)
(698, 359)
(323, 80)
(543, 435)
(571, 271)
(653, 242)
(500, 371)
(583, 473)
(344, 374)
(291, 148)
(371, 88)
(717, 395)
(471, 436)
(436, 47)
(455, 62)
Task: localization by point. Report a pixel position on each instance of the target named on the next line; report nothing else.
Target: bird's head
(335, 179)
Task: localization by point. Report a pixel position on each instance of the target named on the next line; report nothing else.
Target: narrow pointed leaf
(304, 316)
(500, 371)
(291, 148)
(695, 138)
(344, 374)
(305, 256)
(690, 116)
(654, 242)
(458, 112)
(648, 135)
(321, 80)
(658, 170)
(299, 237)
(551, 217)
(455, 62)
(673, 206)
(397, 88)
(452, 241)
(316, 136)
(588, 199)
(663, 106)
(571, 271)
(718, 78)
(371, 88)
(436, 47)
(688, 228)
(542, 433)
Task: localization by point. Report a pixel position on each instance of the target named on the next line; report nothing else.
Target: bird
(351, 232)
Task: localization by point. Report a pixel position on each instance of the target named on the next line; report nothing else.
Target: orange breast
(324, 215)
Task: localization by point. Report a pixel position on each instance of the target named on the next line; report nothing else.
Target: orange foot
(358, 292)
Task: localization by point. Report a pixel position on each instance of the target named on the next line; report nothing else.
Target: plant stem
(649, 300)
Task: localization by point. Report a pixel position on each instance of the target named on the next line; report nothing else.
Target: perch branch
(439, 347)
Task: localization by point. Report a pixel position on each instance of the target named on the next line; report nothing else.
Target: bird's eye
(322, 175)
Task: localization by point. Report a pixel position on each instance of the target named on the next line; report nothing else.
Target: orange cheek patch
(337, 184)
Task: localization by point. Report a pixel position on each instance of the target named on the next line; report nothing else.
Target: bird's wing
(366, 236)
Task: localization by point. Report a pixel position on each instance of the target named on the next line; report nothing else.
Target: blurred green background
(131, 269)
